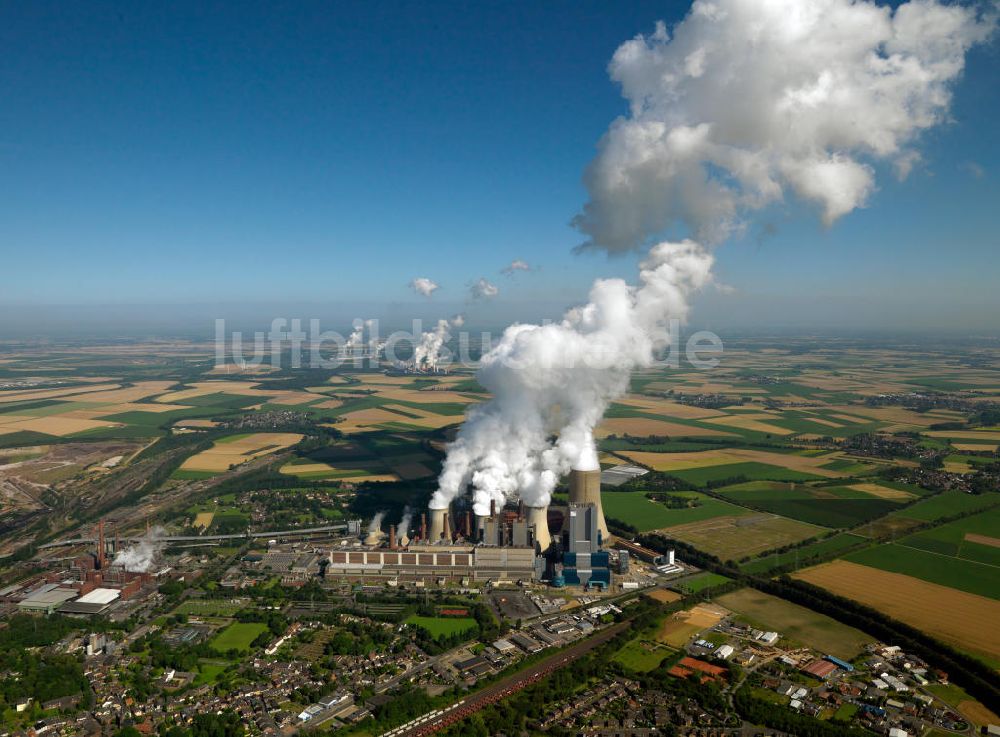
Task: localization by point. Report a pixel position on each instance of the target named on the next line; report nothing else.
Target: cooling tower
(585, 488)
(538, 517)
(374, 537)
(439, 523)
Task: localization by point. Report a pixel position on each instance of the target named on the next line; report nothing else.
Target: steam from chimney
(140, 556)
(745, 101)
(557, 380)
(404, 524)
(423, 286)
(427, 353)
(375, 526)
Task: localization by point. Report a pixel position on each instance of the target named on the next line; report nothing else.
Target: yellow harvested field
(643, 426)
(293, 398)
(993, 542)
(370, 477)
(679, 461)
(52, 425)
(426, 397)
(681, 627)
(141, 390)
(328, 404)
(977, 713)
(317, 467)
(664, 596)
(139, 407)
(883, 492)
(976, 447)
(31, 394)
(204, 520)
(195, 423)
(897, 415)
(224, 454)
(964, 434)
(822, 421)
(956, 617)
(755, 423)
(707, 458)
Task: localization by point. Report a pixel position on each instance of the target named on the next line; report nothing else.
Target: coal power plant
(563, 545)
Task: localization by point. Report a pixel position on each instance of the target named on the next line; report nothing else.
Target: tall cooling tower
(538, 517)
(439, 523)
(585, 488)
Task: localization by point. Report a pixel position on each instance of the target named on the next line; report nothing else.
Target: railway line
(440, 719)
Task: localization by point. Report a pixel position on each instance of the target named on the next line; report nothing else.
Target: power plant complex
(564, 545)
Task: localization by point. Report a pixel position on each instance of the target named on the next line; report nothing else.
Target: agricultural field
(677, 630)
(957, 573)
(975, 538)
(947, 504)
(795, 623)
(961, 619)
(237, 636)
(633, 508)
(827, 546)
(824, 505)
(733, 537)
(236, 449)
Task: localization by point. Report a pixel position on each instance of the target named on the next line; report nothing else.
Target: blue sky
(319, 153)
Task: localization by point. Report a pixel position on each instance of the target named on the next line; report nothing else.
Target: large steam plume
(375, 526)
(749, 99)
(140, 556)
(403, 529)
(556, 381)
(745, 101)
(427, 353)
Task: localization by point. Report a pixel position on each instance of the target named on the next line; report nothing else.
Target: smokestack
(423, 527)
(101, 551)
(447, 526)
(493, 508)
(585, 488)
(480, 524)
(468, 524)
(439, 522)
(392, 537)
(538, 517)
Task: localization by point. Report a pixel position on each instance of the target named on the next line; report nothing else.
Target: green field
(187, 474)
(750, 470)
(632, 507)
(827, 506)
(950, 539)
(827, 546)
(796, 623)
(237, 636)
(642, 656)
(208, 671)
(440, 627)
(946, 504)
(956, 573)
(701, 582)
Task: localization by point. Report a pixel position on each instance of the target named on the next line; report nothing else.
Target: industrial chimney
(101, 550)
(585, 488)
(392, 537)
(538, 517)
(423, 527)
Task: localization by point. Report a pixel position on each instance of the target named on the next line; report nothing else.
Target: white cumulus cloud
(424, 286)
(482, 288)
(749, 100)
(515, 266)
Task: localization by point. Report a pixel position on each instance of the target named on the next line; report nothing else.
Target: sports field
(796, 623)
(439, 627)
(964, 620)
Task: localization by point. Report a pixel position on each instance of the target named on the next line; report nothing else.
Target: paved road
(509, 685)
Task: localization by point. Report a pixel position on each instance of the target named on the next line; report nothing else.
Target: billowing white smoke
(141, 556)
(556, 380)
(403, 529)
(749, 99)
(375, 526)
(427, 353)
